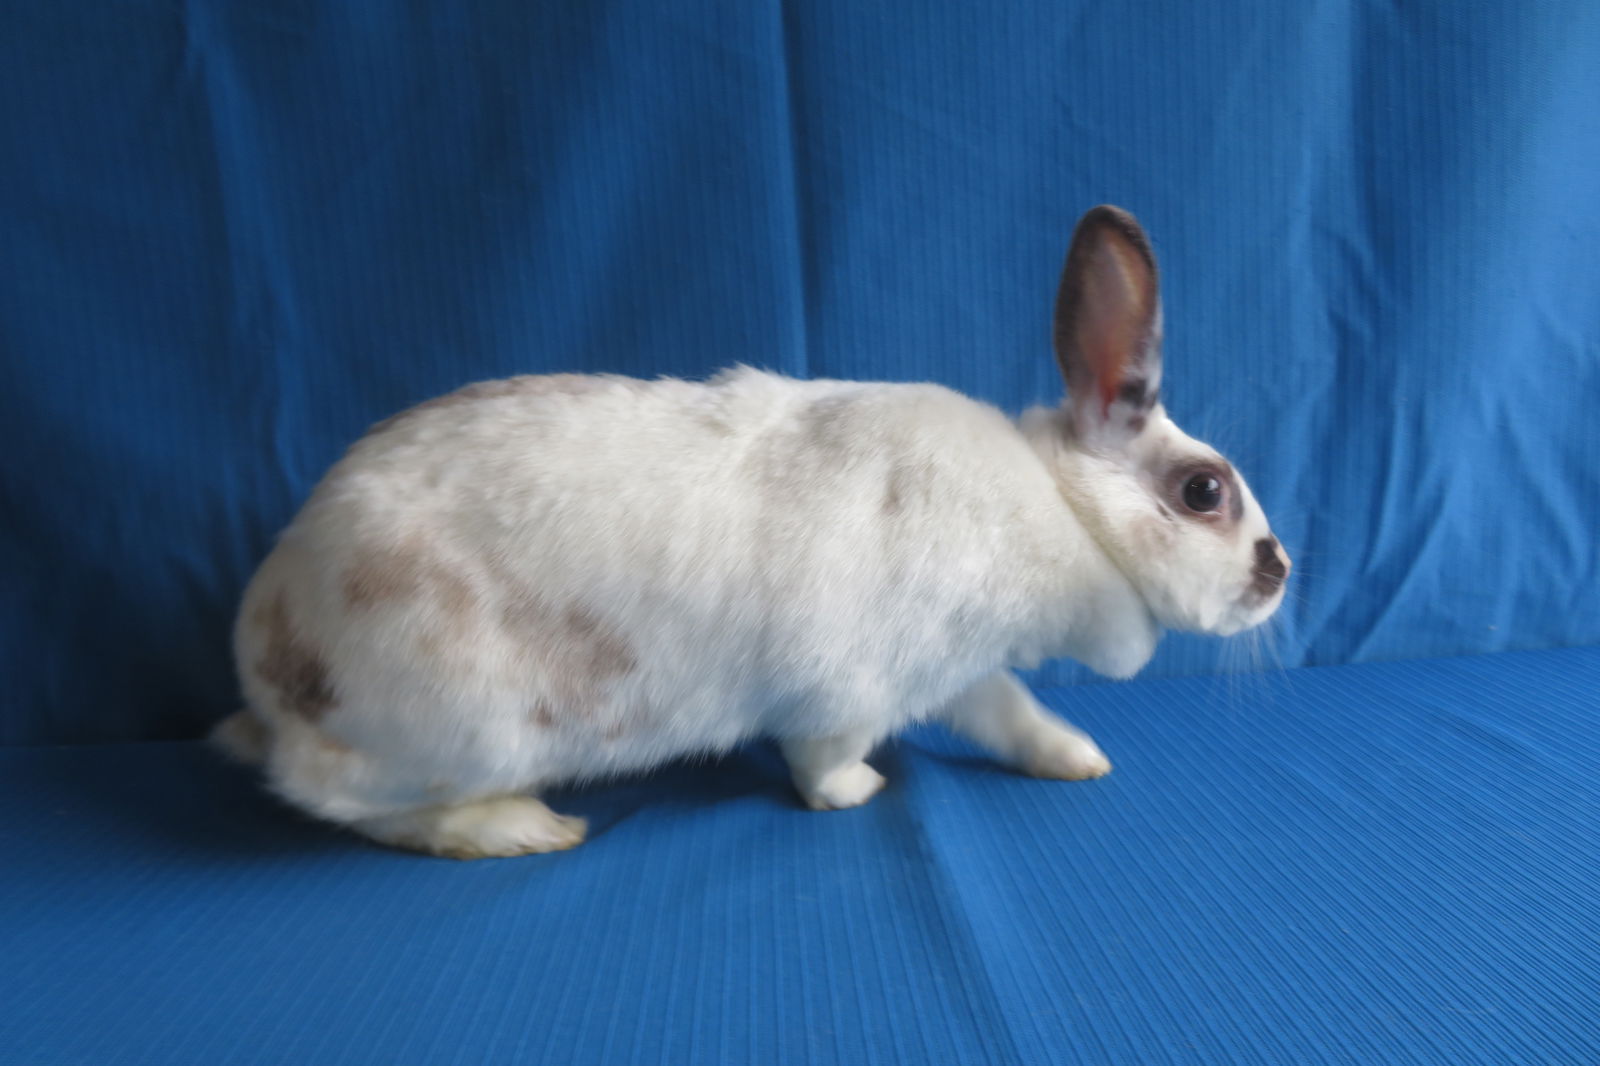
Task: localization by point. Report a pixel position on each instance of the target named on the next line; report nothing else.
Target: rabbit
(545, 580)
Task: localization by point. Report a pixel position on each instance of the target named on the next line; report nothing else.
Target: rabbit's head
(1174, 515)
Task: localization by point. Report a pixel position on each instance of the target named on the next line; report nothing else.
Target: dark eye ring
(1202, 494)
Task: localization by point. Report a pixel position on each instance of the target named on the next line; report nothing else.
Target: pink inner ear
(1116, 308)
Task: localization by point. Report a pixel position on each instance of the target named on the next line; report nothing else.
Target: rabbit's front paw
(1065, 755)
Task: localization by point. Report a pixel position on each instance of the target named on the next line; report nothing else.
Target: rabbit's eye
(1203, 493)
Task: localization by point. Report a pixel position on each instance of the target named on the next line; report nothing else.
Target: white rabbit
(543, 580)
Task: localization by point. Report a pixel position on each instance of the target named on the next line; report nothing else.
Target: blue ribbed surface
(1390, 863)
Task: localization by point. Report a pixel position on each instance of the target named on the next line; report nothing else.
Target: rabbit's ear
(1108, 327)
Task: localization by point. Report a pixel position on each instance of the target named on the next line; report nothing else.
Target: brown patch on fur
(718, 424)
(436, 645)
(522, 385)
(907, 482)
(540, 715)
(406, 571)
(823, 423)
(573, 652)
(456, 595)
(385, 575)
(894, 492)
(413, 571)
(608, 656)
(291, 665)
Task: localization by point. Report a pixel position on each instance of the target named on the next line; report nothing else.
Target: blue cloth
(1385, 863)
(233, 235)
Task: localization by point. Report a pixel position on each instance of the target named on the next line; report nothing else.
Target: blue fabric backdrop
(233, 235)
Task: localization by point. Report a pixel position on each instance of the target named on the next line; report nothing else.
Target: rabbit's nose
(1271, 567)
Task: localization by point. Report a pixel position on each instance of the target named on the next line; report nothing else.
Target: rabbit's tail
(242, 736)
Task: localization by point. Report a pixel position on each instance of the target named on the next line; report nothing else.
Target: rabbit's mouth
(1242, 618)
(1258, 603)
(1263, 595)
